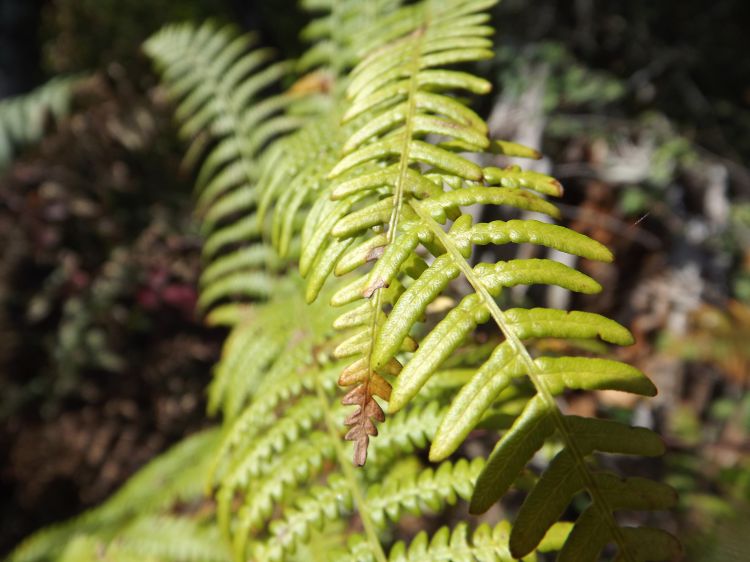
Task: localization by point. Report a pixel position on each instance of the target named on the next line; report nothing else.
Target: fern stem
(536, 377)
(350, 475)
(398, 195)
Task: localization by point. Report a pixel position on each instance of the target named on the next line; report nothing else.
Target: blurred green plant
(712, 473)
(24, 119)
(718, 336)
(568, 82)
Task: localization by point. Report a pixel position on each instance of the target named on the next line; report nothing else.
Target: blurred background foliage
(642, 109)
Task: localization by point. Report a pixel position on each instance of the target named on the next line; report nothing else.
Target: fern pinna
(361, 173)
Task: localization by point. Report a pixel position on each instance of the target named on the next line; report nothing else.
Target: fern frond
(293, 174)
(299, 463)
(393, 190)
(407, 431)
(513, 359)
(175, 478)
(216, 80)
(23, 118)
(151, 539)
(389, 501)
(296, 170)
(271, 344)
(485, 543)
(168, 539)
(322, 505)
(258, 415)
(273, 453)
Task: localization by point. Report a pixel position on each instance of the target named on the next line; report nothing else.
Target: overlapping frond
(295, 171)
(418, 492)
(272, 453)
(281, 476)
(291, 178)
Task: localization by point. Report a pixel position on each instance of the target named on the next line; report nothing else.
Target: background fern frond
(174, 480)
(226, 100)
(344, 30)
(23, 118)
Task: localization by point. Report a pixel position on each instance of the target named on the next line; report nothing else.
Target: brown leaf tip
(361, 421)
